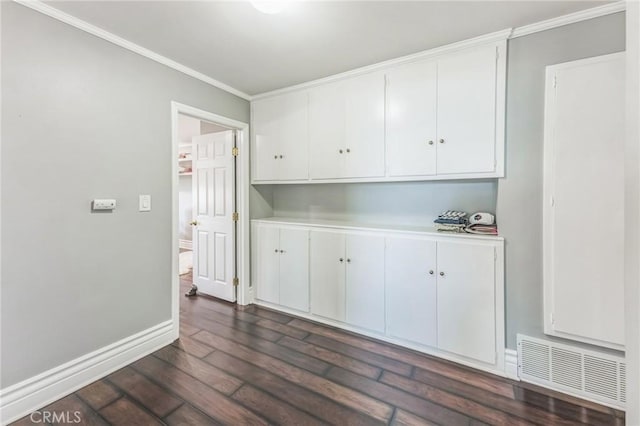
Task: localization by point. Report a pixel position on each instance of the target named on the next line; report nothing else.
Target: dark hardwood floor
(238, 366)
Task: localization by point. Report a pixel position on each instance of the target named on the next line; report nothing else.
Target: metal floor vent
(580, 372)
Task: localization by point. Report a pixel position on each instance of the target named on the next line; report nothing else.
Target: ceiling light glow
(269, 7)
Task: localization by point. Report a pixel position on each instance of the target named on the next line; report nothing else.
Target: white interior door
(213, 208)
(411, 119)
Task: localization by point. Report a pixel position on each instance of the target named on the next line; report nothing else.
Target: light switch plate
(144, 203)
(103, 204)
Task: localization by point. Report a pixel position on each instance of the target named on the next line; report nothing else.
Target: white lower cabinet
(327, 274)
(365, 281)
(411, 297)
(283, 266)
(347, 278)
(466, 299)
(442, 294)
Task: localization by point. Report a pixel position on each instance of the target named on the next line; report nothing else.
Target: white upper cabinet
(280, 130)
(346, 128)
(467, 112)
(441, 117)
(411, 120)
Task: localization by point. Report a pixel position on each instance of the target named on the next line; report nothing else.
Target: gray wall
(519, 205)
(83, 118)
(417, 203)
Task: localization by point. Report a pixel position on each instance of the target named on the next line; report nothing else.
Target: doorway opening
(210, 207)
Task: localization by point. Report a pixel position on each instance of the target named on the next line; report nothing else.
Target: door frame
(242, 204)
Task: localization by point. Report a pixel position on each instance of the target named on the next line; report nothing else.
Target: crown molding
(583, 15)
(119, 41)
(448, 48)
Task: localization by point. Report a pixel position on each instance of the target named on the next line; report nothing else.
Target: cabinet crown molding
(495, 37)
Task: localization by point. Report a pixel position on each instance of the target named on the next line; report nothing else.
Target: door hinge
(235, 151)
(552, 319)
(236, 281)
(235, 216)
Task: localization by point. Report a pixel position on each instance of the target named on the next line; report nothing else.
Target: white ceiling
(254, 52)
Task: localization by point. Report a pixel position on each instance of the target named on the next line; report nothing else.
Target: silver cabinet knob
(348, 150)
(275, 156)
(431, 272)
(276, 250)
(430, 142)
(348, 260)
(341, 260)
(442, 274)
(282, 156)
(340, 151)
(441, 141)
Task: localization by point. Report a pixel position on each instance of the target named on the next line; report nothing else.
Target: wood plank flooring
(253, 366)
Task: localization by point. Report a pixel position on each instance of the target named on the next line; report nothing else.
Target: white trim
(36, 392)
(119, 41)
(446, 49)
(185, 244)
(572, 18)
(607, 9)
(242, 198)
(511, 364)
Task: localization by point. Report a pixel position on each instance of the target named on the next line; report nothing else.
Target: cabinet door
(268, 264)
(365, 282)
(467, 112)
(281, 137)
(364, 126)
(410, 283)
(294, 269)
(327, 274)
(466, 300)
(411, 120)
(327, 117)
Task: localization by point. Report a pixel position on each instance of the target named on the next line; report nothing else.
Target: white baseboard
(22, 398)
(185, 244)
(511, 364)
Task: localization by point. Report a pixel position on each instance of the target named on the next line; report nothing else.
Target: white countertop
(373, 227)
